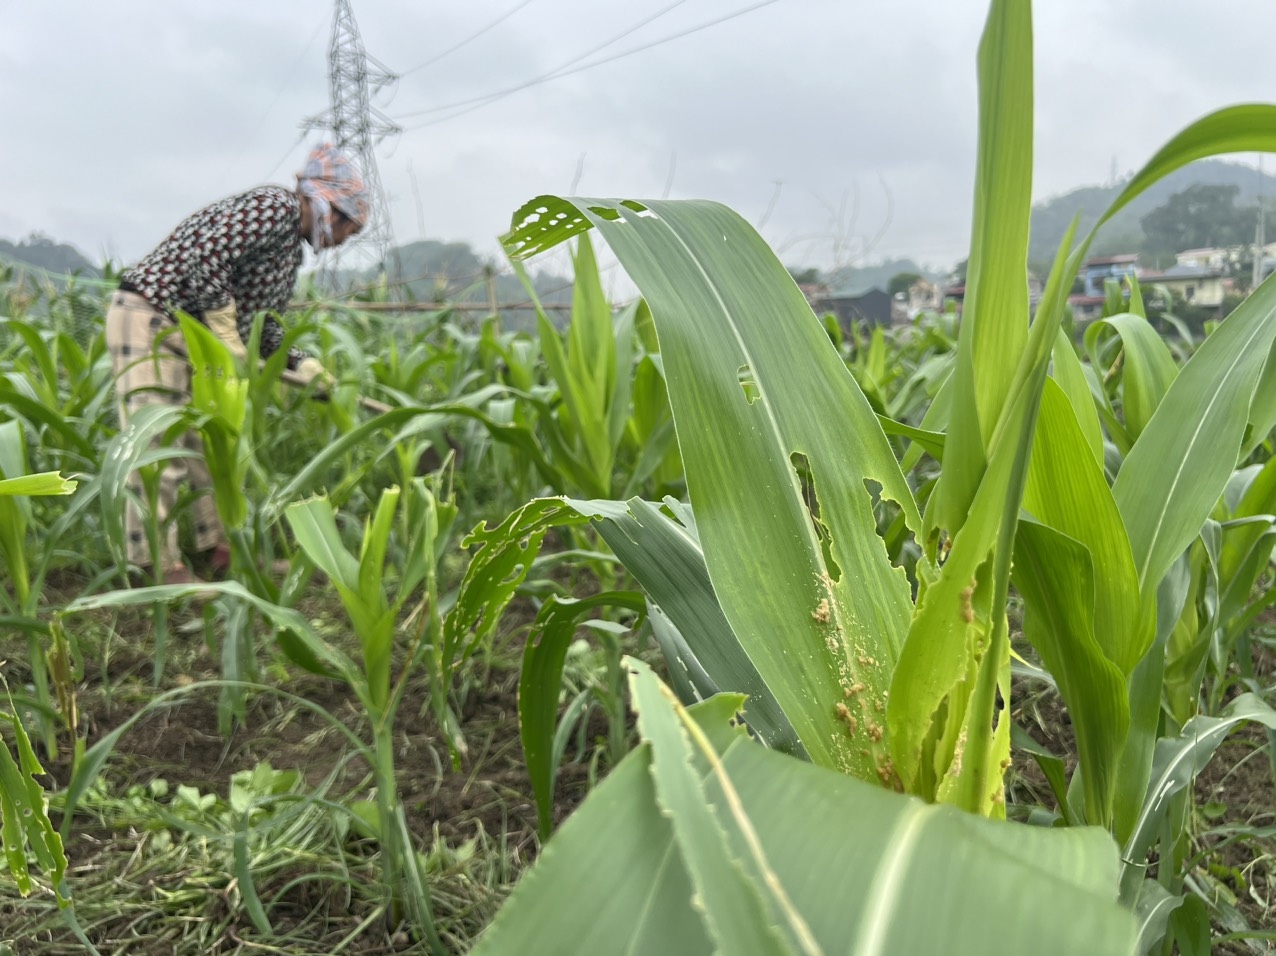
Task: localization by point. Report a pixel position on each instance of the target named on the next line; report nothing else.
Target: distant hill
(451, 272)
(41, 251)
(856, 280)
(1050, 219)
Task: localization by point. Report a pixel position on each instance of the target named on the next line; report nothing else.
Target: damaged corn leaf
(784, 457)
(946, 738)
(24, 813)
(731, 848)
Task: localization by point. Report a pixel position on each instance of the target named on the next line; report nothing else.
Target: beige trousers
(147, 372)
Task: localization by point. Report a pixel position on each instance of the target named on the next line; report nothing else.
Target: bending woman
(222, 265)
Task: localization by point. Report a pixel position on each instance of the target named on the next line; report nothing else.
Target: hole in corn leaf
(636, 206)
(891, 527)
(810, 497)
(747, 382)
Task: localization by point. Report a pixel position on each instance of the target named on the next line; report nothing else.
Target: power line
(469, 39)
(556, 70)
(478, 102)
(297, 142)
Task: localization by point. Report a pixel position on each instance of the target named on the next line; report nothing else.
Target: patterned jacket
(247, 248)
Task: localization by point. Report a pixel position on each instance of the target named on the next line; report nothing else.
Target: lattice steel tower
(356, 127)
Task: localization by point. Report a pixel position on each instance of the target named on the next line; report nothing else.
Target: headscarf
(330, 180)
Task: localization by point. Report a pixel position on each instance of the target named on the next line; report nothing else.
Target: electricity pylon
(356, 127)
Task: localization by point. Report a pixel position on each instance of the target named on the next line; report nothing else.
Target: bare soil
(487, 797)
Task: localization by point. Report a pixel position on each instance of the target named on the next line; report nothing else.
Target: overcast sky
(119, 119)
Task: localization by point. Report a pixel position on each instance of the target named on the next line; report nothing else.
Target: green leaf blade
(815, 622)
(1178, 468)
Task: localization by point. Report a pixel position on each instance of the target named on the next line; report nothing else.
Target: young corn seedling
(592, 366)
(16, 486)
(361, 582)
(24, 810)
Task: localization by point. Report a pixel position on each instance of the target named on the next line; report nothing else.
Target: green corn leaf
(620, 399)
(427, 527)
(1067, 491)
(1147, 688)
(247, 886)
(295, 635)
(15, 512)
(24, 812)
(1153, 910)
(807, 588)
(1191, 929)
(221, 395)
(592, 358)
(994, 327)
(45, 483)
(1247, 544)
(619, 821)
(1236, 129)
(943, 707)
(665, 557)
(1069, 373)
(305, 480)
(1176, 471)
(931, 442)
(1262, 413)
(540, 684)
(687, 676)
(124, 453)
(39, 353)
(958, 630)
(1148, 368)
(742, 912)
(575, 397)
(500, 564)
(1057, 579)
(585, 371)
(860, 866)
(314, 526)
(376, 539)
(1052, 768)
(659, 460)
(49, 419)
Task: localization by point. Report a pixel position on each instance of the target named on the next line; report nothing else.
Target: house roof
(1189, 272)
(1121, 260)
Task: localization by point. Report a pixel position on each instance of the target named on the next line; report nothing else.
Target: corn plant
(359, 580)
(608, 399)
(903, 683)
(421, 524)
(60, 388)
(16, 487)
(24, 809)
(543, 735)
(24, 813)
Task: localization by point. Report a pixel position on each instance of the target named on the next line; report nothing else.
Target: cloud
(146, 110)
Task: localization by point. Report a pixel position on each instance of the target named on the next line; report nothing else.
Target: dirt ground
(488, 799)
